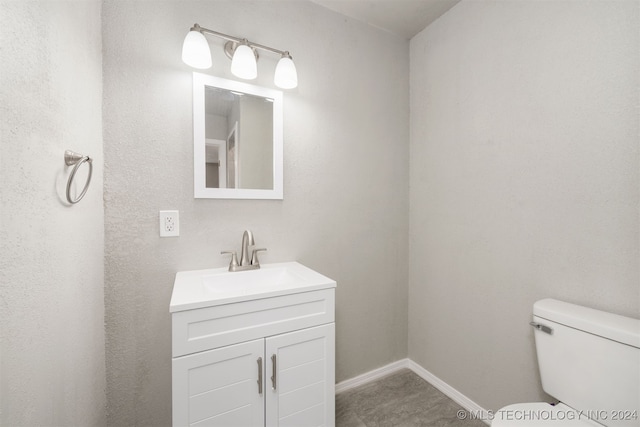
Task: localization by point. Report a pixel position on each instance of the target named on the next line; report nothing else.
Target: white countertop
(217, 286)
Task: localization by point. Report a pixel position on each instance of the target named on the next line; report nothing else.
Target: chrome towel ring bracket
(71, 158)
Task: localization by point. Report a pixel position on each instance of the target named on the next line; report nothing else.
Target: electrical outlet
(169, 224)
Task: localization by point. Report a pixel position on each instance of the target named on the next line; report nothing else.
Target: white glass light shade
(195, 50)
(286, 76)
(244, 63)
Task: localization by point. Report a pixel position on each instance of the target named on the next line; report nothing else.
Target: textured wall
(524, 182)
(345, 204)
(51, 256)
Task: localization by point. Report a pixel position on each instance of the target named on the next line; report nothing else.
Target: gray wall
(345, 207)
(51, 255)
(524, 182)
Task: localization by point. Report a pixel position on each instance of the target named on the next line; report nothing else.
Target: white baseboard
(453, 394)
(462, 400)
(372, 375)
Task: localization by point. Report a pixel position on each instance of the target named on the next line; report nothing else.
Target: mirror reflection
(239, 140)
(237, 131)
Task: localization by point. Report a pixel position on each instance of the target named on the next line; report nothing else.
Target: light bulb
(243, 63)
(195, 50)
(286, 76)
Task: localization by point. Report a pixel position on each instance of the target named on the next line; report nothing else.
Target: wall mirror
(237, 140)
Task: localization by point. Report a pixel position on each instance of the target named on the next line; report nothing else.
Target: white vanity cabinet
(264, 359)
(217, 387)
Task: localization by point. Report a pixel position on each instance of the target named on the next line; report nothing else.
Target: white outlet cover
(169, 224)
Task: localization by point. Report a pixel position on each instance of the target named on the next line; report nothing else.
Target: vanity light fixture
(243, 54)
(243, 62)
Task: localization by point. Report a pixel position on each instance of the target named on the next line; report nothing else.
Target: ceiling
(405, 18)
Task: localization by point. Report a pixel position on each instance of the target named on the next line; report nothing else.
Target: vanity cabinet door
(301, 378)
(219, 387)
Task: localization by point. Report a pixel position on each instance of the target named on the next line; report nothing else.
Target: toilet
(589, 361)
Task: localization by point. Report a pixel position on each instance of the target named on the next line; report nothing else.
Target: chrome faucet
(247, 239)
(245, 262)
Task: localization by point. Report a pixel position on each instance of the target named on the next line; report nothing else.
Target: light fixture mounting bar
(203, 30)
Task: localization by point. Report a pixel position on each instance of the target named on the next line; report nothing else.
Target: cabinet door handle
(259, 375)
(273, 369)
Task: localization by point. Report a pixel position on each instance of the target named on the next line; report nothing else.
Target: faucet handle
(254, 256)
(234, 259)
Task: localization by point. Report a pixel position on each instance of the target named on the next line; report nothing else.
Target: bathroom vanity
(253, 348)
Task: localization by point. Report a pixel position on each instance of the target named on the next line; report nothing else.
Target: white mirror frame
(200, 191)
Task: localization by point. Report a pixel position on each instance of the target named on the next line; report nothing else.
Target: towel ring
(71, 158)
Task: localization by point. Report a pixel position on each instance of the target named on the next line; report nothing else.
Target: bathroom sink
(206, 288)
(248, 281)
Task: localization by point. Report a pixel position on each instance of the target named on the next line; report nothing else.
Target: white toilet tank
(590, 360)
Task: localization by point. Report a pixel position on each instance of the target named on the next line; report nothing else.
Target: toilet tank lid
(623, 329)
